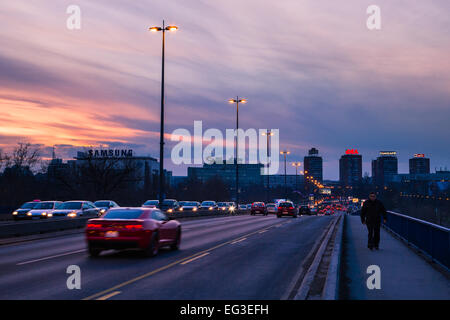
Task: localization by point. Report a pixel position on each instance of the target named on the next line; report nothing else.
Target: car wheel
(278, 216)
(94, 252)
(153, 247)
(176, 245)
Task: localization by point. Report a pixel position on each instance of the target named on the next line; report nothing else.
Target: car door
(166, 228)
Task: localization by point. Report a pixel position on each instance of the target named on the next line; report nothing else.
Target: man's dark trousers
(374, 235)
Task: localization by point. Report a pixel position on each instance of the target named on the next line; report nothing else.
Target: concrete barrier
(33, 227)
(29, 227)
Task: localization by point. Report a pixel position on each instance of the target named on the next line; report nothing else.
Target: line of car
(37, 209)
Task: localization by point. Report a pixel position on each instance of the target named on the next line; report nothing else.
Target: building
(419, 164)
(249, 174)
(313, 165)
(424, 183)
(384, 168)
(143, 169)
(350, 169)
(292, 181)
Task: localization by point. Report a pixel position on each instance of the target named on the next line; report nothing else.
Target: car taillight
(291, 207)
(279, 208)
(134, 226)
(94, 226)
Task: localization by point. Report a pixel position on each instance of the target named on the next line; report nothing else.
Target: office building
(249, 174)
(419, 164)
(313, 165)
(384, 168)
(350, 169)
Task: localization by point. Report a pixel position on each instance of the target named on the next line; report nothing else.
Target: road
(236, 257)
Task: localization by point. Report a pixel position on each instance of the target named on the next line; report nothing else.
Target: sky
(311, 69)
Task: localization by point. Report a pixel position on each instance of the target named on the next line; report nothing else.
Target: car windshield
(151, 202)
(271, 205)
(190, 204)
(71, 205)
(123, 214)
(168, 202)
(44, 205)
(222, 204)
(101, 204)
(29, 205)
(286, 204)
(207, 203)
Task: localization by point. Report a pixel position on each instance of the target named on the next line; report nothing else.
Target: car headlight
(232, 208)
(49, 215)
(194, 209)
(15, 213)
(44, 213)
(72, 214)
(169, 210)
(210, 208)
(29, 214)
(102, 210)
(181, 209)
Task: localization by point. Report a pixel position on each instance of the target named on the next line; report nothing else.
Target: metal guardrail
(433, 240)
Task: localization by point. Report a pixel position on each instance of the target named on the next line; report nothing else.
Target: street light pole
(268, 133)
(296, 165)
(162, 179)
(285, 153)
(237, 101)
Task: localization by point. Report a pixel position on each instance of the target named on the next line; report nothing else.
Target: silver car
(74, 209)
(44, 209)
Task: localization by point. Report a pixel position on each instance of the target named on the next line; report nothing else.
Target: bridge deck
(404, 274)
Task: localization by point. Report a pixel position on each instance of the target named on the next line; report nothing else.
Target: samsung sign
(111, 153)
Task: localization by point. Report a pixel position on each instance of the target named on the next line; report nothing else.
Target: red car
(258, 208)
(147, 229)
(286, 209)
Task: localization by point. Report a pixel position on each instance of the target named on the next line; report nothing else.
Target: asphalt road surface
(236, 257)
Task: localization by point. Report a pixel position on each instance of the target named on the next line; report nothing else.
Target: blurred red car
(258, 208)
(286, 209)
(147, 229)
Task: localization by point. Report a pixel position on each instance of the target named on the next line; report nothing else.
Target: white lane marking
(195, 258)
(50, 257)
(112, 294)
(263, 231)
(238, 240)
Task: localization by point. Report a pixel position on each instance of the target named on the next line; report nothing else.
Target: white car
(44, 209)
(189, 206)
(151, 204)
(73, 209)
(208, 205)
(272, 208)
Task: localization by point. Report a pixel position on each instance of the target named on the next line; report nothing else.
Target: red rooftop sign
(351, 151)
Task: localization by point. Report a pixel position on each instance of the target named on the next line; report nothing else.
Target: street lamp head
(171, 28)
(235, 100)
(155, 29)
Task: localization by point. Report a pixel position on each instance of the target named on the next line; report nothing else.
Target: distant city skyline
(311, 69)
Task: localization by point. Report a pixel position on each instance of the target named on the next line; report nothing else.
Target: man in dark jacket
(371, 213)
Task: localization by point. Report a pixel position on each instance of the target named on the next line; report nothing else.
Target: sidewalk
(404, 274)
